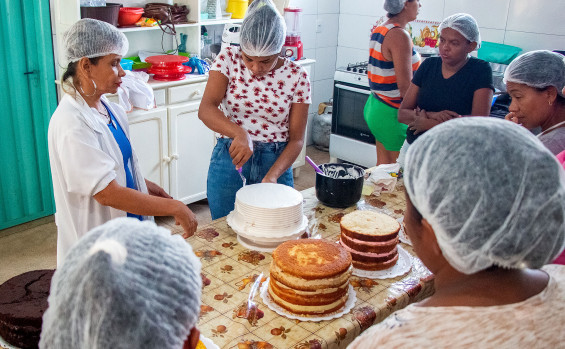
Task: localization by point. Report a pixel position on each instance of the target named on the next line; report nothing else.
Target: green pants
(382, 120)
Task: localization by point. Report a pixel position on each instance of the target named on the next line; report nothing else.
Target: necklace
(105, 115)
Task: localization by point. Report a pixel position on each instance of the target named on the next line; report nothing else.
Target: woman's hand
(422, 124)
(269, 179)
(186, 219)
(241, 149)
(155, 190)
(443, 115)
(512, 117)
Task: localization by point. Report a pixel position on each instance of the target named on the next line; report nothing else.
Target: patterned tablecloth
(233, 314)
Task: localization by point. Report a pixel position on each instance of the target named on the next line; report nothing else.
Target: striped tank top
(382, 77)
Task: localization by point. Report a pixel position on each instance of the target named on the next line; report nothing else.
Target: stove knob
(354, 70)
(348, 68)
(363, 71)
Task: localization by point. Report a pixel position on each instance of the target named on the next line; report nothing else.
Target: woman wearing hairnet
(117, 290)
(95, 172)
(485, 213)
(392, 60)
(452, 85)
(263, 104)
(536, 81)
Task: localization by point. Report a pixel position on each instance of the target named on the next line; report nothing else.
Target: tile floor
(33, 245)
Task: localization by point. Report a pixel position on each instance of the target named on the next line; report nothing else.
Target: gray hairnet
(93, 38)
(394, 6)
(126, 284)
(538, 69)
(263, 30)
(491, 191)
(465, 24)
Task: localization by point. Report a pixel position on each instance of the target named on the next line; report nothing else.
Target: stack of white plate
(267, 214)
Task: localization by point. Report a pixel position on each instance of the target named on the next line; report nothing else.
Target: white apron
(85, 158)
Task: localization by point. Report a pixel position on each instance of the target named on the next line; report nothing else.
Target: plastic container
(168, 67)
(342, 191)
(497, 53)
(108, 13)
(127, 64)
(237, 8)
(137, 63)
(129, 15)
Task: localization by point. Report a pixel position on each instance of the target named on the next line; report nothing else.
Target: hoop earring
(93, 93)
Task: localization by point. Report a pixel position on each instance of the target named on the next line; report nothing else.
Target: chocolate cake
(310, 276)
(23, 300)
(371, 238)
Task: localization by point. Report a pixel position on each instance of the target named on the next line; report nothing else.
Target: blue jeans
(224, 181)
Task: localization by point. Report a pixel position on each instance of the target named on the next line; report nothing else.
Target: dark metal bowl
(342, 191)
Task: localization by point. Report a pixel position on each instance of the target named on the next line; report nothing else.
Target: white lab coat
(85, 158)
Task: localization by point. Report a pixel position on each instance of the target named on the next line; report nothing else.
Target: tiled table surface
(232, 271)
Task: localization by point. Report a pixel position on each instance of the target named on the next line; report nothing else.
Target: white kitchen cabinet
(149, 138)
(190, 144)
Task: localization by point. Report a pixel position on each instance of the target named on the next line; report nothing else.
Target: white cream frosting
(267, 209)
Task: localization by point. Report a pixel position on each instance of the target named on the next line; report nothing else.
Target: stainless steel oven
(350, 139)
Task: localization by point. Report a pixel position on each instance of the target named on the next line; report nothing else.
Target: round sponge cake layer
(311, 258)
(369, 226)
(23, 300)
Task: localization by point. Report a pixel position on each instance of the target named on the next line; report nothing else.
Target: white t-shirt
(261, 105)
(534, 323)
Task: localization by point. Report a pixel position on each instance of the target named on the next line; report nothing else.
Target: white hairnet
(538, 69)
(263, 30)
(93, 38)
(465, 24)
(126, 284)
(491, 191)
(394, 6)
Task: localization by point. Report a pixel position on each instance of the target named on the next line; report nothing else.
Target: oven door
(347, 119)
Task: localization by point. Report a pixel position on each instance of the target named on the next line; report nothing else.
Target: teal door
(27, 100)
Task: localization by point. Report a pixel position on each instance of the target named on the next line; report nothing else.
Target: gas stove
(359, 67)
(354, 73)
(350, 138)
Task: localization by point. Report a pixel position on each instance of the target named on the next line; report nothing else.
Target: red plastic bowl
(129, 15)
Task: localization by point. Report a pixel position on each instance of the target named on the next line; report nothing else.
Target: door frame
(31, 77)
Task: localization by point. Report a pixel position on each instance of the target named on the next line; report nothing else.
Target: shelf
(221, 21)
(136, 29)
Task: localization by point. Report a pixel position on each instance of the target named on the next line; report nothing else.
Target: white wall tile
(308, 31)
(355, 31)
(325, 62)
(488, 13)
(534, 41)
(362, 7)
(328, 6)
(309, 7)
(311, 53)
(492, 35)
(431, 10)
(539, 16)
(347, 55)
(323, 91)
(329, 27)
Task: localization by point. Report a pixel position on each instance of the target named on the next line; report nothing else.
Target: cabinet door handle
(166, 159)
(174, 157)
(197, 93)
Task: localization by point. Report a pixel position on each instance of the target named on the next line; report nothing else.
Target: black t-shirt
(456, 93)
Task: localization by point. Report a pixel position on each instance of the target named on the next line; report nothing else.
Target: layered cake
(371, 238)
(310, 276)
(23, 300)
(267, 210)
